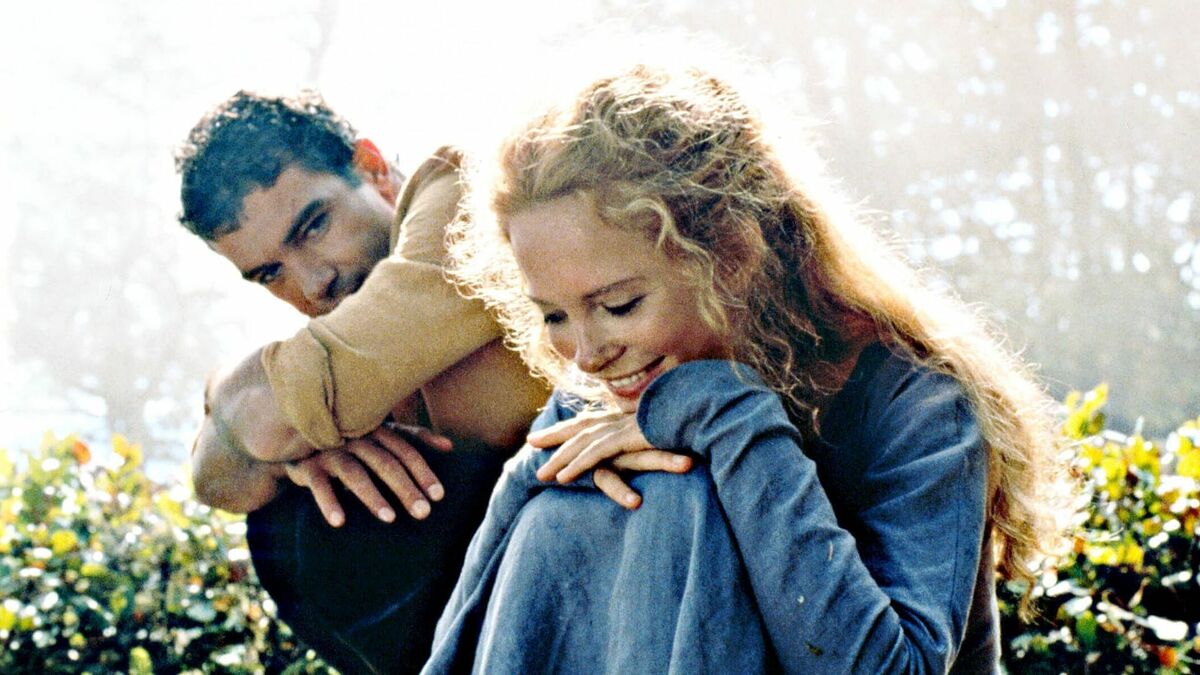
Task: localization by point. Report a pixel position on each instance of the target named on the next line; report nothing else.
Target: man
(283, 189)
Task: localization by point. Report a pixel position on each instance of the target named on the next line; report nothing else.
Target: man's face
(311, 238)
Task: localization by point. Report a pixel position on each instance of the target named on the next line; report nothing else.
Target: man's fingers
(358, 481)
(396, 474)
(652, 460)
(413, 463)
(611, 484)
(425, 436)
(322, 492)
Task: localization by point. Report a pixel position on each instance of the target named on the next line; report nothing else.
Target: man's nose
(317, 281)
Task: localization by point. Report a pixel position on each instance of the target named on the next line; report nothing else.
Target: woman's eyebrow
(615, 286)
(591, 295)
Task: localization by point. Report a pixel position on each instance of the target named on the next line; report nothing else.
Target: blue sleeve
(896, 600)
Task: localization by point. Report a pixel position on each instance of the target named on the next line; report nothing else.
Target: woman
(867, 455)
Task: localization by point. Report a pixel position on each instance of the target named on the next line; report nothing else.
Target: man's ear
(369, 162)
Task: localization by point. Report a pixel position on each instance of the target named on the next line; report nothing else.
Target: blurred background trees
(1034, 155)
(1038, 154)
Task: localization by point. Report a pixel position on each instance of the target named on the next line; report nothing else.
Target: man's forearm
(237, 453)
(242, 400)
(227, 478)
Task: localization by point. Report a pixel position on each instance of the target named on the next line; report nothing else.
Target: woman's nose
(594, 351)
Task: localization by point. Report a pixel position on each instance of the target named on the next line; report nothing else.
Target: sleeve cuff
(302, 391)
(682, 400)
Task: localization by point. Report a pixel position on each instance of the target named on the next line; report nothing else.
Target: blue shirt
(863, 552)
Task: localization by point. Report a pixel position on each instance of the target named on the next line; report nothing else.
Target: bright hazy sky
(411, 76)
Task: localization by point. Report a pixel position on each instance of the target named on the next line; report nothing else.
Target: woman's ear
(369, 162)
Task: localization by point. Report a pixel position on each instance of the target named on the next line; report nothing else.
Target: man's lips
(632, 385)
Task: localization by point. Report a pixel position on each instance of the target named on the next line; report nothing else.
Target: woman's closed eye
(553, 318)
(624, 308)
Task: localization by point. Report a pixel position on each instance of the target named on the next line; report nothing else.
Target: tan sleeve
(338, 377)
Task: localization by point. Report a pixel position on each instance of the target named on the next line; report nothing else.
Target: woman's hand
(613, 439)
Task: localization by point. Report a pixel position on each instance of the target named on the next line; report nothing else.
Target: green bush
(1126, 599)
(103, 571)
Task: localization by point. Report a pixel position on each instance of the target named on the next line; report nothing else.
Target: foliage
(1126, 599)
(103, 571)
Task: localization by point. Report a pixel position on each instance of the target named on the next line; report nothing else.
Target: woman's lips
(631, 386)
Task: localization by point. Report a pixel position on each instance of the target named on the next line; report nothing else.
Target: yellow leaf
(1090, 456)
(1072, 400)
(1114, 468)
(7, 469)
(140, 662)
(91, 569)
(173, 510)
(1189, 463)
(1101, 554)
(63, 541)
(1132, 554)
(1144, 455)
(130, 452)
(8, 619)
(117, 602)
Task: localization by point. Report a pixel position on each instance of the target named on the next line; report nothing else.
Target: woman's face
(613, 304)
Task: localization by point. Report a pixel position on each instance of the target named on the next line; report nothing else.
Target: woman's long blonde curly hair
(782, 267)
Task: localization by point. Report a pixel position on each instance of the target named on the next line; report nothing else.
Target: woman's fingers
(620, 438)
(563, 431)
(599, 450)
(652, 460)
(591, 445)
(569, 450)
(617, 490)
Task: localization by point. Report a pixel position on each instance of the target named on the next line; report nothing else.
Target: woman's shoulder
(891, 399)
(887, 379)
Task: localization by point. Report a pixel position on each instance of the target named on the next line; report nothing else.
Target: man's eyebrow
(306, 214)
(591, 296)
(254, 274)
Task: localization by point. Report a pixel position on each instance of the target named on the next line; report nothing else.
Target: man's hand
(388, 453)
(614, 439)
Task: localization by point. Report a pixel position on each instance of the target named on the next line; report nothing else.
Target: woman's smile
(631, 386)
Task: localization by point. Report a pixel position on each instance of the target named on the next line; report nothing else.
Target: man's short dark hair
(245, 143)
